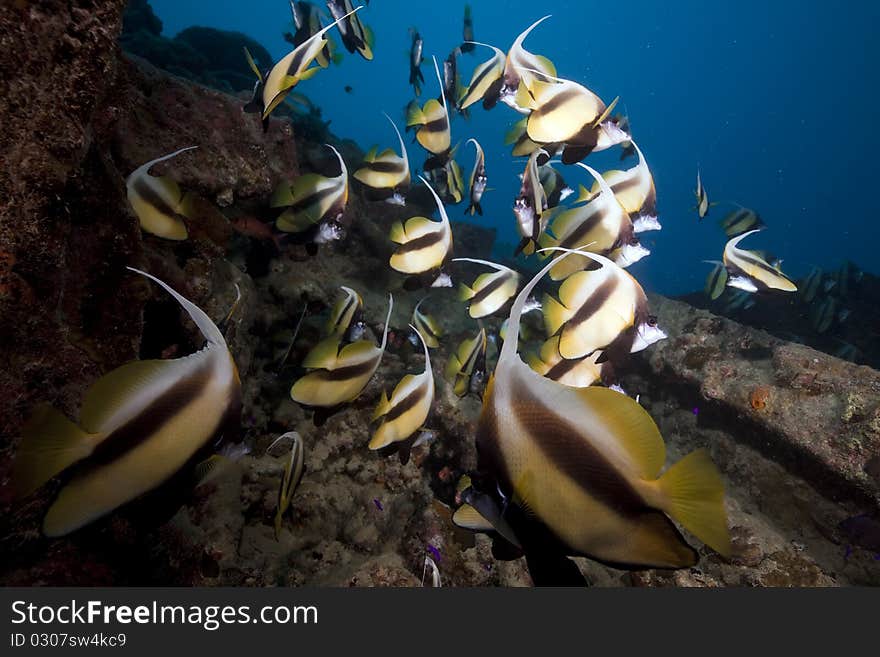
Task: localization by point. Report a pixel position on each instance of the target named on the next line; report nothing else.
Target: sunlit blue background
(775, 101)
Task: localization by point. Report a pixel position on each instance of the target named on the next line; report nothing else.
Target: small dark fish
(348, 89)
(416, 79)
(468, 31)
(434, 552)
(696, 410)
(378, 504)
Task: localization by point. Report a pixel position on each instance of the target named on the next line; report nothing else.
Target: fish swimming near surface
(521, 67)
(749, 272)
(716, 281)
(386, 175)
(307, 20)
(601, 309)
(485, 80)
(466, 367)
(312, 201)
(555, 188)
(356, 37)
(416, 79)
(403, 414)
(273, 86)
(741, 220)
(338, 374)
(576, 372)
(577, 472)
(603, 225)
(157, 200)
(138, 426)
(478, 180)
(634, 189)
(426, 326)
(424, 245)
(530, 205)
(467, 31)
(346, 320)
(431, 121)
(293, 473)
(489, 292)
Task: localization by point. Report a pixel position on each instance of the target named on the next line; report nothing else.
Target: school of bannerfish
(566, 465)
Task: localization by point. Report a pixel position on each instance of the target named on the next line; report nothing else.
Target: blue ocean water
(773, 101)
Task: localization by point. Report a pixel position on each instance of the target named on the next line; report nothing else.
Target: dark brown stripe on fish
(437, 125)
(578, 459)
(757, 262)
(347, 372)
(295, 63)
(493, 285)
(143, 189)
(583, 228)
(594, 302)
(156, 414)
(561, 368)
(314, 198)
(408, 402)
(385, 167)
(558, 101)
(423, 242)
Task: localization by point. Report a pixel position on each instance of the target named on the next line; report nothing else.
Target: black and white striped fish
(356, 37)
(431, 121)
(485, 81)
(293, 473)
(386, 175)
(138, 426)
(530, 205)
(346, 319)
(741, 220)
(424, 245)
(489, 292)
(466, 367)
(157, 200)
(576, 372)
(478, 180)
(749, 272)
(426, 326)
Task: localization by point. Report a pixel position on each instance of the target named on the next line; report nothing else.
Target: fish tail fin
(50, 444)
(694, 496)
(397, 234)
(465, 293)
(479, 208)
(554, 314)
(414, 115)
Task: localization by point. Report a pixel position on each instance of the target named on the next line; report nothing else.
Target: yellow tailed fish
(523, 68)
(740, 221)
(600, 309)
(339, 374)
(405, 412)
(289, 71)
(157, 200)
(386, 175)
(424, 244)
(489, 292)
(466, 367)
(485, 81)
(530, 205)
(454, 181)
(603, 224)
(426, 326)
(478, 180)
(431, 120)
(749, 272)
(356, 37)
(307, 20)
(634, 189)
(138, 425)
(311, 199)
(346, 316)
(577, 372)
(716, 281)
(577, 472)
(293, 473)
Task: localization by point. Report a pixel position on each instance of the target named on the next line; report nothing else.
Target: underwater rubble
(795, 432)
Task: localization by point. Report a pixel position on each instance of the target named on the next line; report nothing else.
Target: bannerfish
(339, 373)
(139, 425)
(466, 367)
(454, 180)
(741, 221)
(311, 200)
(634, 189)
(346, 320)
(157, 200)
(416, 79)
(307, 20)
(451, 82)
(577, 472)
(517, 137)
(530, 205)
(811, 285)
(602, 225)
(521, 67)
(601, 309)
(489, 292)
(356, 37)
(405, 412)
(293, 473)
(823, 314)
(749, 272)
(273, 86)
(573, 372)
(424, 245)
(426, 326)
(431, 121)
(554, 185)
(716, 281)
(702, 198)
(467, 31)
(485, 81)
(386, 176)
(478, 180)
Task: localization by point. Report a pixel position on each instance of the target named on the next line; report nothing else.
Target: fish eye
(652, 320)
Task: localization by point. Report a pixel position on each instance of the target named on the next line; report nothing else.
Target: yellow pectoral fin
(694, 493)
(50, 444)
(383, 406)
(467, 517)
(555, 314)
